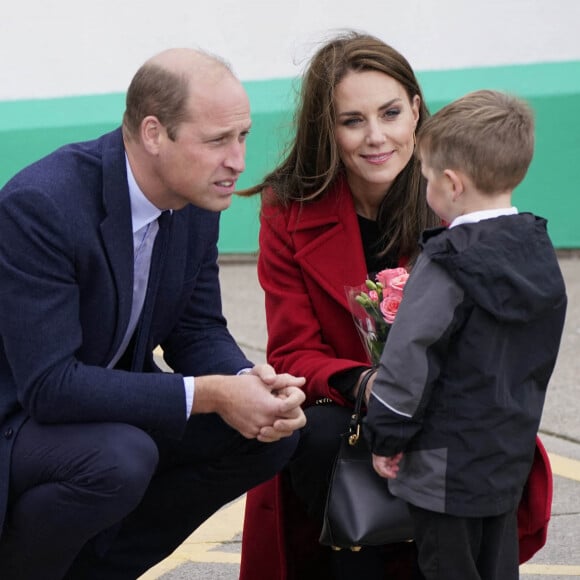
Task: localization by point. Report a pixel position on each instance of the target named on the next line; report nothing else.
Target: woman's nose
(375, 135)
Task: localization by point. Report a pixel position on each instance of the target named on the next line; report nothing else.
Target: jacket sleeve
(42, 334)
(412, 359)
(296, 341)
(200, 342)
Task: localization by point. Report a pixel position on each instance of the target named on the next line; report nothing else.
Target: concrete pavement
(213, 551)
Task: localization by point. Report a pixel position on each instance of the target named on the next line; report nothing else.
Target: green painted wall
(30, 129)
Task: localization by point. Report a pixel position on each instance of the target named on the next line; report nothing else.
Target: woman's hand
(369, 384)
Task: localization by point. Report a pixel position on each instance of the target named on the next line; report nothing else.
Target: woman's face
(375, 125)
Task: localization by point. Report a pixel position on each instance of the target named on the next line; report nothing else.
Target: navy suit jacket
(66, 280)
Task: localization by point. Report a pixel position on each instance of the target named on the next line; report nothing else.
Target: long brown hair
(312, 162)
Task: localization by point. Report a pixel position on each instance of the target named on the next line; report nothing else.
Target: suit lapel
(117, 230)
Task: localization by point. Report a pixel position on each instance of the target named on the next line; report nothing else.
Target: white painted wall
(70, 47)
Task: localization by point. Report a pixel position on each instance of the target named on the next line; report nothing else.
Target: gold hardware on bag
(353, 473)
(354, 437)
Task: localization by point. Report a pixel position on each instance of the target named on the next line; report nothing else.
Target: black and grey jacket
(463, 376)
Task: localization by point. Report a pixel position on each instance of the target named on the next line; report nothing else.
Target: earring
(414, 140)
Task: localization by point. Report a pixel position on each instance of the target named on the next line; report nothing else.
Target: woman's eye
(391, 113)
(350, 122)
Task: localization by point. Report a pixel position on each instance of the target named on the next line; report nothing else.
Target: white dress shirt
(145, 227)
(484, 214)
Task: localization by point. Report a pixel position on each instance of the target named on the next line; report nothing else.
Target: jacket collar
(328, 242)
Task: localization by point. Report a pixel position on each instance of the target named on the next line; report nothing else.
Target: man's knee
(281, 451)
(119, 471)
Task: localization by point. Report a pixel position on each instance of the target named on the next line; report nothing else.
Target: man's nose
(236, 159)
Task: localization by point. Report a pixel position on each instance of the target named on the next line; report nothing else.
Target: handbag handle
(357, 416)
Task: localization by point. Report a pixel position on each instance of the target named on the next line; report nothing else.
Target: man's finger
(290, 425)
(293, 397)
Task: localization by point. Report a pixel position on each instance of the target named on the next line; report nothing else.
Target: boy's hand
(387, 467)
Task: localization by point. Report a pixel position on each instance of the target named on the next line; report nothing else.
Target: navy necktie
(157, 259)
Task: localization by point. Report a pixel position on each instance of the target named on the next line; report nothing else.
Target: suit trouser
(108, 500)
(455, 548)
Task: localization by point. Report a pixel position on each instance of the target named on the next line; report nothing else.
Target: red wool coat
(308, 254)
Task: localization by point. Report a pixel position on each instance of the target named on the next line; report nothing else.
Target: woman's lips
(378, 158)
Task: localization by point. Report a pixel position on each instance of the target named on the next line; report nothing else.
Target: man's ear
(456, 183)
(151, 134)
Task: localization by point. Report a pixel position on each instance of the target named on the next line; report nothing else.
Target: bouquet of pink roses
(374, 306)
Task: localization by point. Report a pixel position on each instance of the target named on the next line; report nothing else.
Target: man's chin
(214, 205)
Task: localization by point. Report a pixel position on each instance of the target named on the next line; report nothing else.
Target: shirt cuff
(189, 384)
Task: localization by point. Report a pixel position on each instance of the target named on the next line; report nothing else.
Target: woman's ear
(415, 108)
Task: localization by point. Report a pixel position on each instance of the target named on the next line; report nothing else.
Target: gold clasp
(354, 437)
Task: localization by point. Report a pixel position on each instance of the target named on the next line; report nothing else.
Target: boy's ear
(456, 183)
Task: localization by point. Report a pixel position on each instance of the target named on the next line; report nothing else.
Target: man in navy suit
(108, 249)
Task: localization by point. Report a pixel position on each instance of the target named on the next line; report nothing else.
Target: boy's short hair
(488, 135)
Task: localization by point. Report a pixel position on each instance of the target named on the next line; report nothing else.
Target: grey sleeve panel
(422, 479)
(410, 363)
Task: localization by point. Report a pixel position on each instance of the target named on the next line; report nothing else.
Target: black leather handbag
(360, 510)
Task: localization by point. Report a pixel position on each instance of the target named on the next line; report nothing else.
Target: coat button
(8, 433)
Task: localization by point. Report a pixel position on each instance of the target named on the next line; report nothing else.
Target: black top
(370, 236)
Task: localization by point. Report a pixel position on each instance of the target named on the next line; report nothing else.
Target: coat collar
(328, 242)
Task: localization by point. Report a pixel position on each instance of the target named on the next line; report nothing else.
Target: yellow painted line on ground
(207, 553)
(226, 523)
(163, 567)
(565, 467)
(550, 570)
(200, 546)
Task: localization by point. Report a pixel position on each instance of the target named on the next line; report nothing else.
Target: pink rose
(390, 306)
(385, 276)
(393, 281)
(374, 295)
(397, 283)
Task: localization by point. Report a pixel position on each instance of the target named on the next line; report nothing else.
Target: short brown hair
(156, 91)
(489, 135)
(163, 85)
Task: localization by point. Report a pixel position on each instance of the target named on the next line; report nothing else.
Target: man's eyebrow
(228, 132)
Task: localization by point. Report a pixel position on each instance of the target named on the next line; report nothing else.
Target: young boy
(457, 400)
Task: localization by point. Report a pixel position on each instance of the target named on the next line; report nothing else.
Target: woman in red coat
(347, 202)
